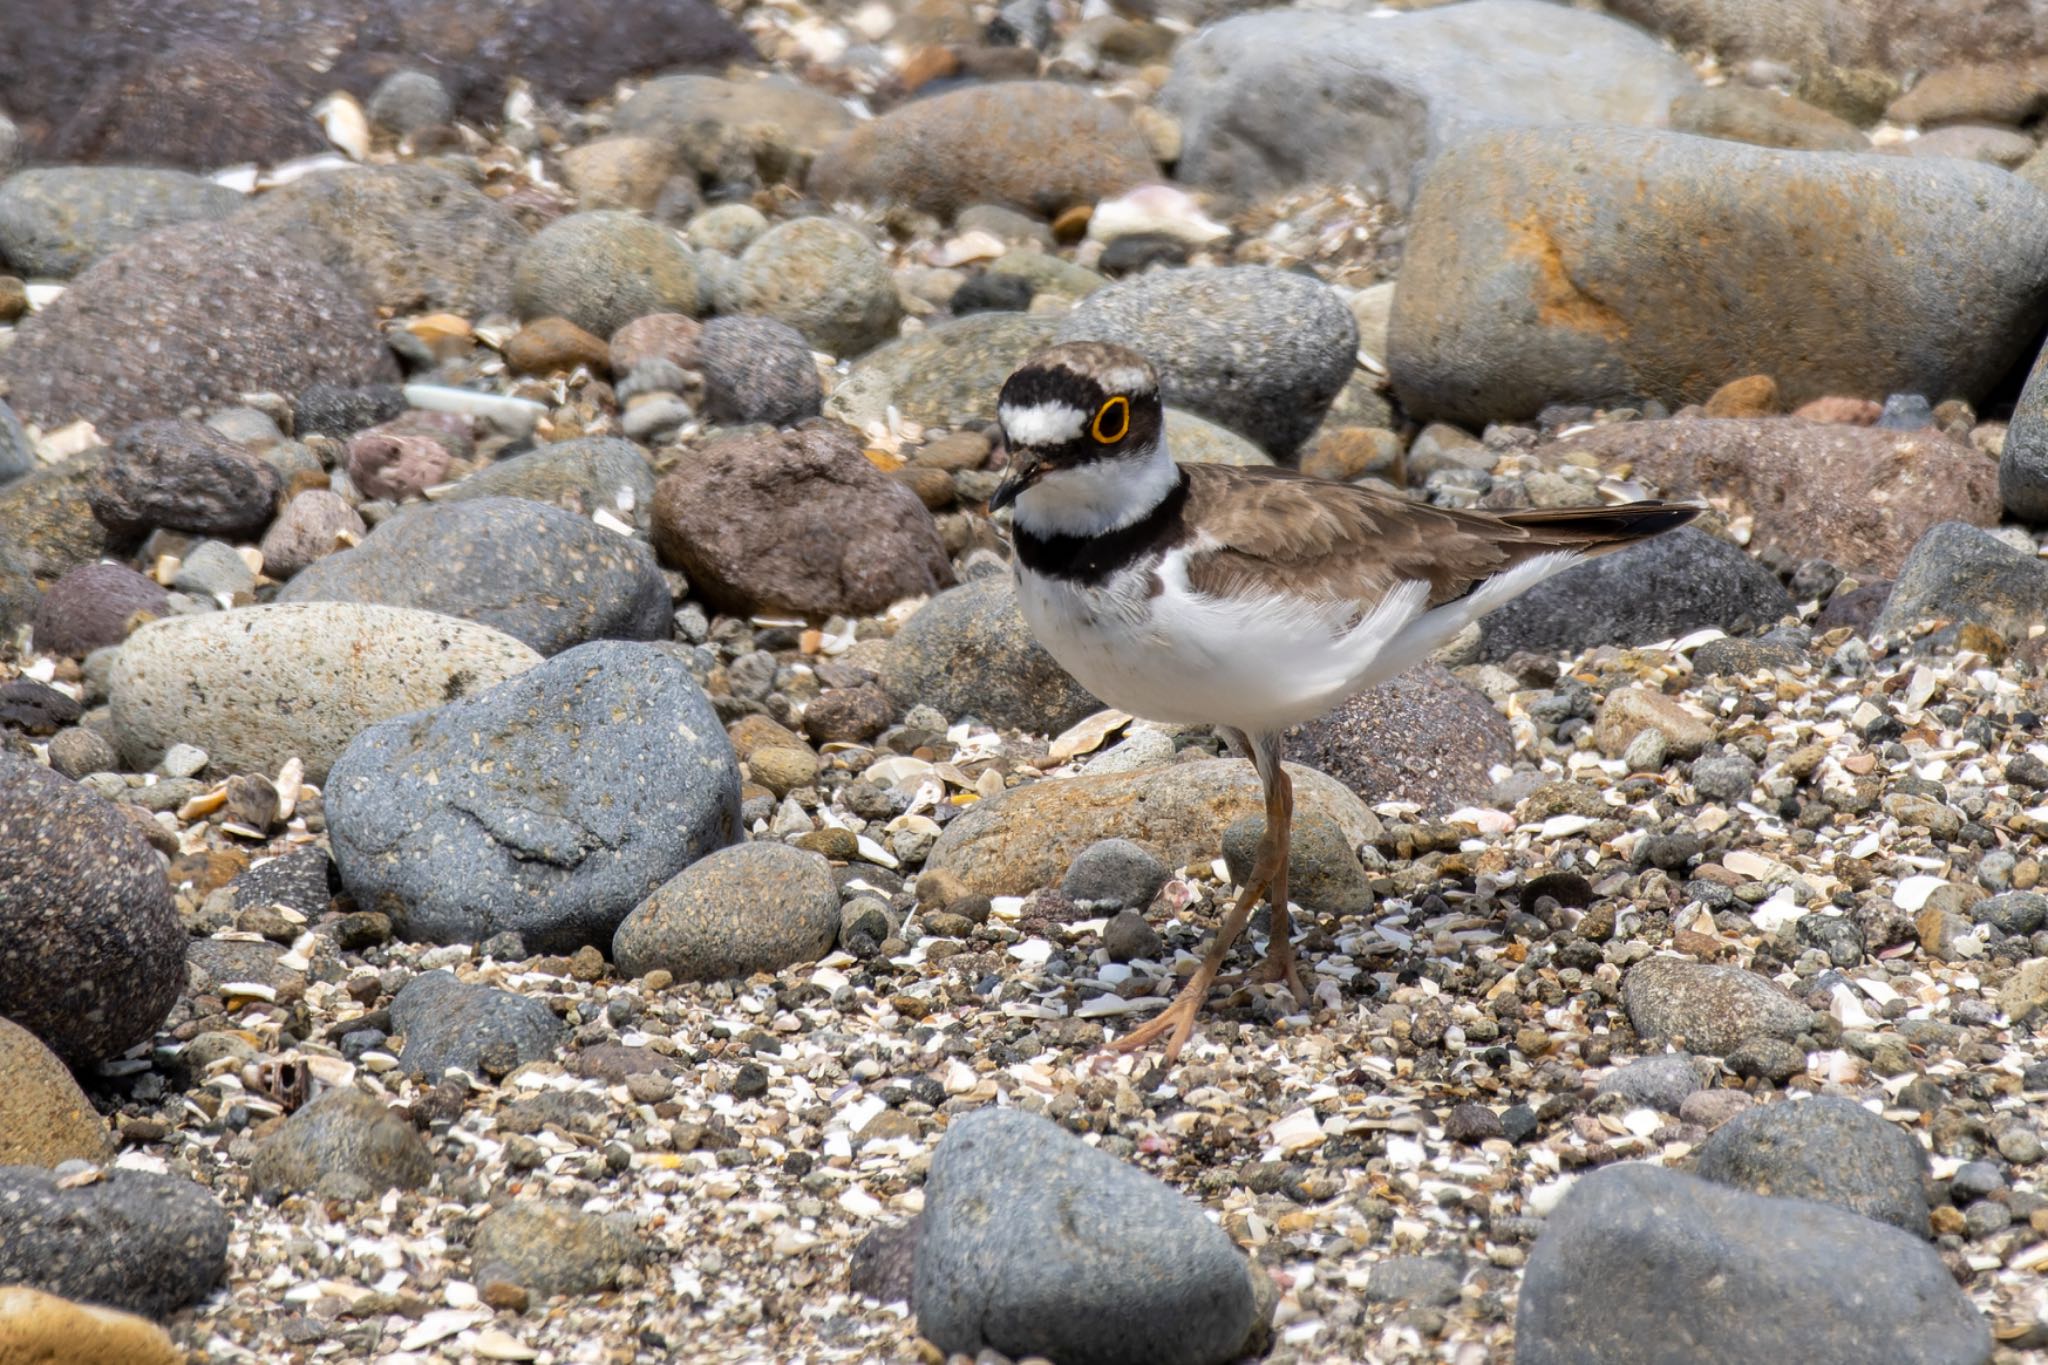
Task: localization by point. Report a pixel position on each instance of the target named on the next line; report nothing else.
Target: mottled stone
(755, 907)
(145, 1243)
(346, 1145)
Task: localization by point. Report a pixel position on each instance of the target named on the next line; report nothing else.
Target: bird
(1248, 599)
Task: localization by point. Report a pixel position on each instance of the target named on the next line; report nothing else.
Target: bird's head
(1082, 425)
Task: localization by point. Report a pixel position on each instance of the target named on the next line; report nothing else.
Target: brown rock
(42, 1329)
(1038, 146)
(1424, 737)
(550, 345)
(384, 464)
(617, 172)
(44, 1117)
(1859, 497)
(1347, 453)
(783, 769)
(1631, 710)
(657, 336)
(1027, 837)
(1740, 113)
(750, 733)
(184, 476)
(1975, 92)
(1753, 395)
(796, 521)
(1858, 412)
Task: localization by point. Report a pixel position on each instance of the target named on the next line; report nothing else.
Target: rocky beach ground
(531, 828)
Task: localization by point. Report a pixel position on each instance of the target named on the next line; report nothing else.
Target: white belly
(1181, 657)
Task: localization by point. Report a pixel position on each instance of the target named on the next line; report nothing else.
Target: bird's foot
(1281, 968)
(1175, 1023)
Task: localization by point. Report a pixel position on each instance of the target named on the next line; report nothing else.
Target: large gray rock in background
(1825, 1148)
(2023, 461)
(550, 805)
(1813, 36)
(1577, 265)
(1036, 1244)
(58, 221)
(502, 562)
(1639, 1254)
(1284, 98)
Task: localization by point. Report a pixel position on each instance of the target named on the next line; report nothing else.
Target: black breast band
(1090, 560)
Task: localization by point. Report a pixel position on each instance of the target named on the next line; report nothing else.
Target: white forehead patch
(1041, 424)
(1129, 379)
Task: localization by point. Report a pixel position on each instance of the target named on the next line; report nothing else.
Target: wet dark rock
(143, 1243)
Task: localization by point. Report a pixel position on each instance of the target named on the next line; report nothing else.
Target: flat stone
(1712, 1009)
(56, 221)
(756, 907)
(948, 375)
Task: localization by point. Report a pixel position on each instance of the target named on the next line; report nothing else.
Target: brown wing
(1276, 531)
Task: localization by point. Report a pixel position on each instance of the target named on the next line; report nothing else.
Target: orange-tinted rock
(1038, 146)
(657, 336)
(1859, 497)
(548, 345)
(1753, 395)
(1573, 266)
(1861, 412)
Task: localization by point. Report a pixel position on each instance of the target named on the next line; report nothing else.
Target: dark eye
(1112, 421)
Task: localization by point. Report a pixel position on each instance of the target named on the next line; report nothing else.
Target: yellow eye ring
(1120, 406)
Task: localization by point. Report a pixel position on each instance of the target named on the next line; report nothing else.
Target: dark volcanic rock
(196, 314)
(1423, 737)
(503, 562)
(796, 521)
(1959, 573)
(1682, 581)
(1036, 1244)
(184, 476)
(1824, 1148)
(144, 1243)
(1571, 266)
(1763, 1279)
(448, 1023)
(608, 774)
(92, 954)
(91, 607)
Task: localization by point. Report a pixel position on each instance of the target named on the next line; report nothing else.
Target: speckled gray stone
(58, 220)
(755, 907)
(948, 375)
(541, 574)
(92, 955)
(1824, 1148)
(549, 805)
(1960, 573)
(757, 370)
(601, 270)
(586, 475)
(1115, 872)
(967, 652)
(1036, 1244)
(1424, 737)
(1260, 350)
(255, 686)
(1324, 876)
(137, 1241)
(1713, 1008)
(825, 279)
(553, 1249)
(344, 1145)
(1662, 1081)
(1638, 1254)
(448, 1023)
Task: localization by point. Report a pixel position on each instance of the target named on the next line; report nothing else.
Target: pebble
(409, 103)
(1959, 573)
(1520, 288)
(1323, 872)
(1128, 938)
(183, 476)
(736, 134)
(1261, 351)
(347, 1145)
(1662, 1082)
(51, 1330)
(797, 521)
(639, 780)
(196, 314)
(501, 562)
(603, 269)
(450, 1024)
(314, 524)
(758, 370)
(550, 1249)
(1598, 1283)
(56, 221)
(1725, 777)
(1019, 1214)
(823, 278)
(752, 907)
(77, 751)
(727, 228)
(95, 954)
(548, 345)
(91, 606)
(132, 1240)
(1713, 1009)
(260, 685)
(45, 1118)
(1823, 1148)
(213, 568)
(1027, 837)
(1114, 872)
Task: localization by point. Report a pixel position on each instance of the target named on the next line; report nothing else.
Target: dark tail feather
(1598, 530)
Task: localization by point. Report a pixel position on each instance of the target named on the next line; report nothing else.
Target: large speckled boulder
(92, 955)
(969, 653)
(796, 521)
(502, 562)
(549, 805)
(1040, 146)
(257, 686)
(1275, 100)
(57, 221)
(1424, 737)
(44, 1117)
(134, 1240)
(1568, 265)
(749, 908)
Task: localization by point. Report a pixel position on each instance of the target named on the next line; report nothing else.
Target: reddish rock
(1754, 395)
(796, 521)
(657, 336)
(91, 606)
(1857, 412)
(549, 345)
(1859, 497)
(386, 465)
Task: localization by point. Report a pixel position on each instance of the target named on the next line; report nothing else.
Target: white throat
(1095, 499)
